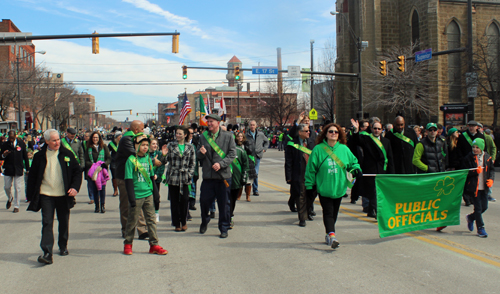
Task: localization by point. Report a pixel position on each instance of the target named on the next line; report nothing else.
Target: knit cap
(451, 131)
(479, 143)
(139, 139)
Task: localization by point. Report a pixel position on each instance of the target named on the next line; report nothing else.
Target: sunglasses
(306, 131)
(377, 128)
(432, 130)
(333, 132)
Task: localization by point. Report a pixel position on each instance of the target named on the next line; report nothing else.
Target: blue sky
(211, 33)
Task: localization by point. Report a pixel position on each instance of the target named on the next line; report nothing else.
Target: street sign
(471, 81)
(238, 119)
(19, 43)
(423, 55)
(313, 114)
(264, 70)
(294, 71)
(169, 114)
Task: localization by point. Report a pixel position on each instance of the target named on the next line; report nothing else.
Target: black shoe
(63, 252)
(203, 229)
(103, 208)
(212, 214)
(255, 193)
(9, 203)
(366, 210)
(310, 217)
(312, 213)
(302, 223)
(292, 208)
(371, 214)
(353, 201)
(192, 207)
(45, 259)
(144, 236)
(96, 210)
(223, 235)
(467, 203)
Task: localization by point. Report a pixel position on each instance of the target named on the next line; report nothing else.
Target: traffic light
(175, 43)
(110, 113)
(184, 72)
(401, 63)
(383, 67)
(137, 114)
(130, 111)
(95, 43)
(237, 73)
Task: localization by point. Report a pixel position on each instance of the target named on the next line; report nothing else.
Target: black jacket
(373, 158)
(71, 171)
(95, 155)
(433, 155)
(13, 163)
(472, 183)
(403, 151)
(454, 157)
(464, 145)
(125, 149)
(295, 164)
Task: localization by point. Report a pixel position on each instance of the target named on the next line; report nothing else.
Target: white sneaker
(157, 217)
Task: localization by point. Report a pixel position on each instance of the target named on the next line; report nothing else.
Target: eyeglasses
(333, 132)
(306, 131)
(432, 130)
(377, 128)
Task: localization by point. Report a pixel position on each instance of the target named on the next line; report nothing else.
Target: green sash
(236, 163)
(300, 147)
(142, 170)
(100, 157)
(66, 144)
(339, 163)
(252, 158)
(466, 136)
(215, 147)
(113, 146)
(403, 137)
(379, 144)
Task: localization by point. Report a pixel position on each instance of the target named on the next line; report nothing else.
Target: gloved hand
(357, 173)
(489, 183)
(479, 169)
(103, 165)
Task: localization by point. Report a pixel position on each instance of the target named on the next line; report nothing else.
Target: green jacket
(323, 171)
(281, 137)
(239, 177)
(491, 148)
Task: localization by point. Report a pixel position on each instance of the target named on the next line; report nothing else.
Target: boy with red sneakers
(142, 195)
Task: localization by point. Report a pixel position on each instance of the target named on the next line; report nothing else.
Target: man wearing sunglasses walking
(429, 153)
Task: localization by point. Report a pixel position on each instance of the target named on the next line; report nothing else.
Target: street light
(360, 45)
(18, 60)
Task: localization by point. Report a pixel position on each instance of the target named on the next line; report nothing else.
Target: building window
(415, 28)
(454, 66)
(493, 34)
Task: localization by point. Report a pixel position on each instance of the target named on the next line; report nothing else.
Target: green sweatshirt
(239, 178)
(324, 172)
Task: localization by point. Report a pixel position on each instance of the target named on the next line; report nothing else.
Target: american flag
(186, 109)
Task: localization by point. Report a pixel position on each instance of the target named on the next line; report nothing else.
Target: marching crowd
(323, 162)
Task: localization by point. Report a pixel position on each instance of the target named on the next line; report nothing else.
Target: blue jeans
(255, 184)
(210, 190)
(89, 188)
(99, 196)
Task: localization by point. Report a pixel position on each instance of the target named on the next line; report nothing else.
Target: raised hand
(355, 124)
(164, 150)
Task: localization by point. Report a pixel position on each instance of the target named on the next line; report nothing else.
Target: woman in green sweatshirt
(326, 169)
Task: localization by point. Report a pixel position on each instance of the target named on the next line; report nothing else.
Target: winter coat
(102, 174)
(428, 156)
(259, 144)
(472, 183)
(323, 171)
(16, 161)
(239, 177)
(71, 172)
(77, 147)
(95, 156)
(295, 165)
(125, 149)
(225, 141)
(402, 151)
(180, 169)
(464, 145)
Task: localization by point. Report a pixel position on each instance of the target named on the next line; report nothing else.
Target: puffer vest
(433, 155)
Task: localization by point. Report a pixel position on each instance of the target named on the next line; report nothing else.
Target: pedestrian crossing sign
(313, 114)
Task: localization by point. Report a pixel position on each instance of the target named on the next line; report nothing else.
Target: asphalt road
(266, 252)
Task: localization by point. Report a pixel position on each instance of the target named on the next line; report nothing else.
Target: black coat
(95, 156)
(295, 164)
(125, 149)
(71, 171)
(13, 163)
(472, 183)
(464, 145)
(402, 151)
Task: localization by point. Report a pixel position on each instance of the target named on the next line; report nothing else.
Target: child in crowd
(142, 195)
(477, 183)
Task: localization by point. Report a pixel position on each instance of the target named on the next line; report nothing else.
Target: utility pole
(312, 76)
(470, 100)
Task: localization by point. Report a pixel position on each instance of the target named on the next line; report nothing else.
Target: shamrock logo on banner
(445, 186)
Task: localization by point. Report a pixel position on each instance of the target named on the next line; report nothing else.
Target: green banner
(407, 203)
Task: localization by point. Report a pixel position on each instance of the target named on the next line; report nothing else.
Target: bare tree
(487, 66)
(282, 106)
(404, 92)
(324, 90)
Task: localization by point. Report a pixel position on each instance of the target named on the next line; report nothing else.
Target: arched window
(415, 28)
(493, 34)
(454, 66)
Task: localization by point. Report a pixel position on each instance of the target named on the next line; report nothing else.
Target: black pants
(330, 212)
(157, 204)
(355, 191)
(480, 205)
(294, 197)
(60, 205)
(210, 190)
(178, 204)
(234, 196)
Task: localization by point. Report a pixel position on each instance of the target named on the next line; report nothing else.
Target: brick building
(437, 24)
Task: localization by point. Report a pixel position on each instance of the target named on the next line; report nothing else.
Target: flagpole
(374, 175)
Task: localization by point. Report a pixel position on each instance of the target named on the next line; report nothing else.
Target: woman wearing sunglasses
(327, 166)
(377, 159)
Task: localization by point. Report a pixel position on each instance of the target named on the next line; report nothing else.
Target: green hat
(431, 125)
(479, 143)
(451, 131)
(213, 116)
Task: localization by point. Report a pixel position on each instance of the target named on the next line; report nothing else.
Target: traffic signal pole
(80, 36)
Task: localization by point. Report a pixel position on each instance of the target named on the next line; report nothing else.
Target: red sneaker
(156, 249)
(439, 229)
(127, 250)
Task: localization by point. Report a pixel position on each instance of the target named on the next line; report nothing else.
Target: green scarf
(100, 157)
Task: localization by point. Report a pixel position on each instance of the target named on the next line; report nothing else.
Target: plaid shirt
(180, 169)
